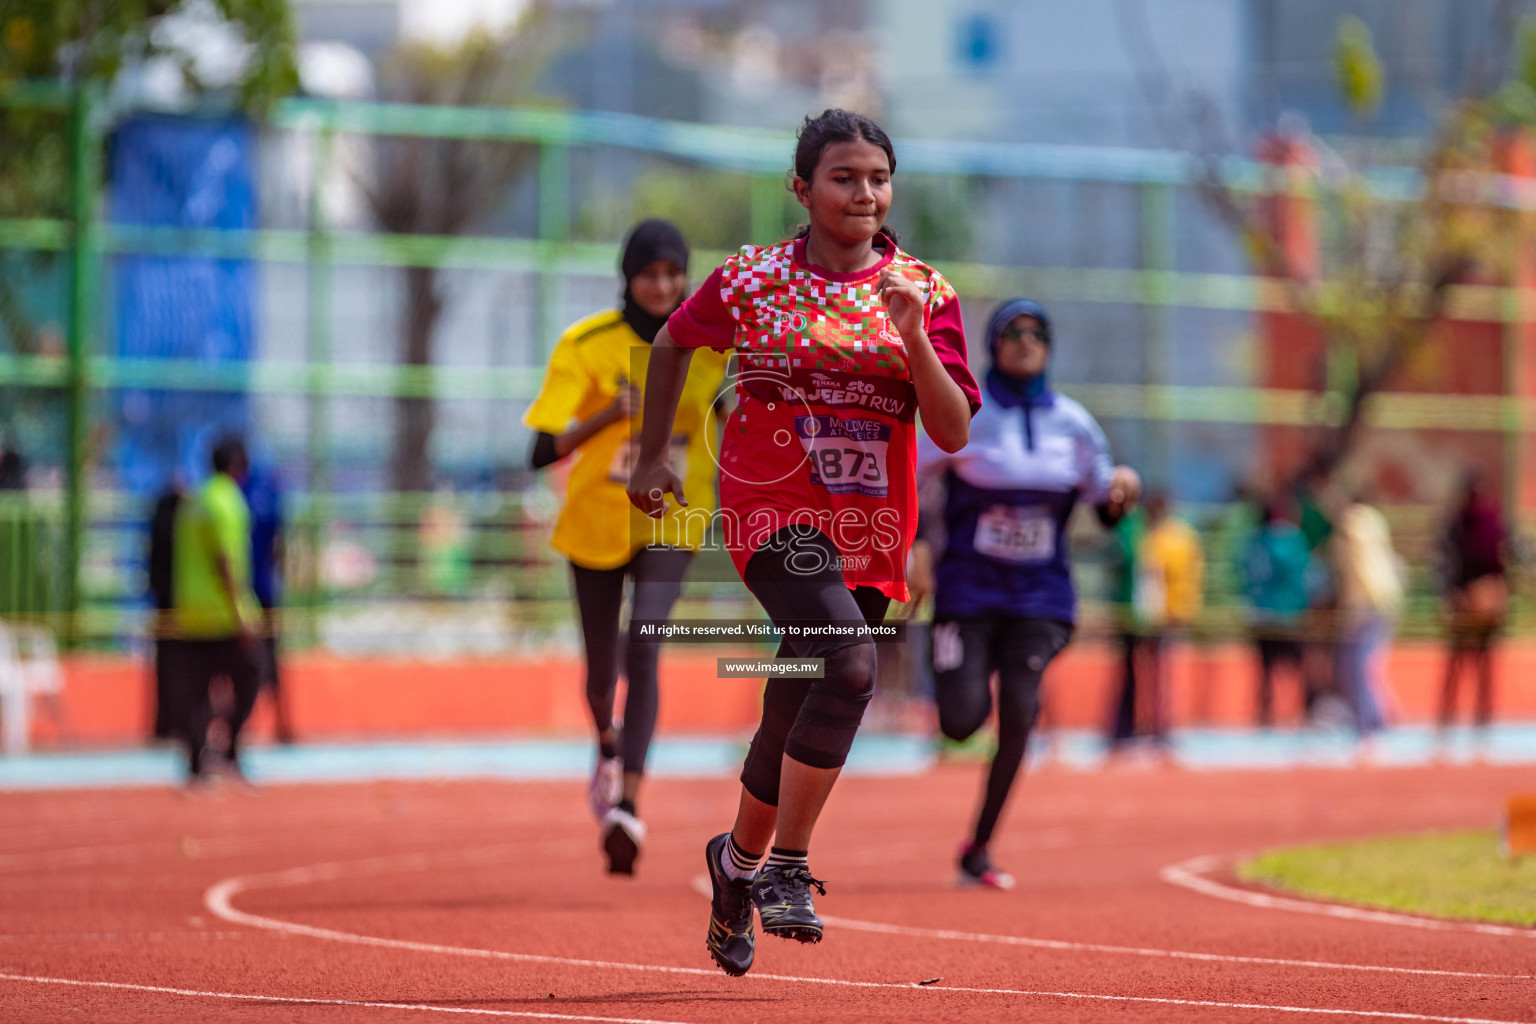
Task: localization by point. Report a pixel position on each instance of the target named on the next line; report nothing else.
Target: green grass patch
(1459, 875)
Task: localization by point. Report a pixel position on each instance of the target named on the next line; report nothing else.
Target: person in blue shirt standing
(1003, 595)
(1279, 577)
(264, 495)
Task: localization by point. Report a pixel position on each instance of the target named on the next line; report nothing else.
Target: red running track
(479, 901)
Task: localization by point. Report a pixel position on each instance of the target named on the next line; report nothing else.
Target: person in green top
(216, 613)
(1279, 576)
(1129, 536)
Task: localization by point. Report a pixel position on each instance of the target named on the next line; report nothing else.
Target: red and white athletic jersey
(824, 431)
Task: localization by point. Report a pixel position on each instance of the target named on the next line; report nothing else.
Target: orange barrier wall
(109, 700)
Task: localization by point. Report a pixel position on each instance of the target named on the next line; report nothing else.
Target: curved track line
(197, 993)
(218, 899)
(701, 886)
(1192, 874)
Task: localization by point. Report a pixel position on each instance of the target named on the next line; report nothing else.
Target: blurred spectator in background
(1170, 585)
(25, 576)
(1315, 523)
(13, 470)
(1277, 577)
(1130, 535)
(217, 616)
(1368, 583)
(264, 497)
(444, 538)
(1320, 505)
(1476, 596)
(162, 538)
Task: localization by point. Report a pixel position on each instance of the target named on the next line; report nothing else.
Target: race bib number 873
(847, 455)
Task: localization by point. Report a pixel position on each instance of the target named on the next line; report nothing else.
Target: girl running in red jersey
(841, 340)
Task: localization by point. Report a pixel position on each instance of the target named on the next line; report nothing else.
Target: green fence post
(1157, 296)
(85, 251)
(554, 231)
(318, 259)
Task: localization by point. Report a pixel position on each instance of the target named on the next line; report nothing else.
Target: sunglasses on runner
(1020, 333)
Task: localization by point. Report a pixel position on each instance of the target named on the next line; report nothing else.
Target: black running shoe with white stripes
(783, 898)
(731, 940)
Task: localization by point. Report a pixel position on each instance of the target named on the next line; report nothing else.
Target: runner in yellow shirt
(589, 405)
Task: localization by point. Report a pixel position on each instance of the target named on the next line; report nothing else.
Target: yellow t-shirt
(1172, 551)
(598, 528)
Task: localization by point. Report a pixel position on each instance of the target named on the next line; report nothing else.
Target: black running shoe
(731, 941)
(783, 898)
(976, 870)
(623, 835)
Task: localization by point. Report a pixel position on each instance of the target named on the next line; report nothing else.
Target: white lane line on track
(701, 886)
(1193, 874)
(244, 996)
(432, 1008)
(218, 899)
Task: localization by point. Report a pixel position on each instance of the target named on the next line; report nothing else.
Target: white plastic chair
(29, 668)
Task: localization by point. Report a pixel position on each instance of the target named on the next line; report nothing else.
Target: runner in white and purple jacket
(1003, 595)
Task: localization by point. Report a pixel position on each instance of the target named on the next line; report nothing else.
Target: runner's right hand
(649, 484)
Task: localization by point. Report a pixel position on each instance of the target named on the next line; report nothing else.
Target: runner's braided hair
(832, 126)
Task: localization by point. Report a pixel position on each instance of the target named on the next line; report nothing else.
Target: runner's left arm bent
(653, 477)
(945, 409)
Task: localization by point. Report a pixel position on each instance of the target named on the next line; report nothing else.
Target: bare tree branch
(1357, 310)
(445, 187)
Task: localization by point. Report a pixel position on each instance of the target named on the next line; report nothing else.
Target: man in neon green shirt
(215, 610)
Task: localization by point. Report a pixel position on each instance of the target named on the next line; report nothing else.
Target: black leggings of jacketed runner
(658, 579)
(1018, 650)
(796, 578)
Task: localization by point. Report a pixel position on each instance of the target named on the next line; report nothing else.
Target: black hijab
(651, 240)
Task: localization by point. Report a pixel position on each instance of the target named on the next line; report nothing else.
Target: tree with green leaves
(88, 43)
(1387, 268)
(84, 45)
(80, 48)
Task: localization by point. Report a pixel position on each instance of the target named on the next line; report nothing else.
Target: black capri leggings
(965, 654)
(658, 579)
(795, 577)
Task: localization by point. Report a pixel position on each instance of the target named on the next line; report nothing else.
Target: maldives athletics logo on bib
(847, 455)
